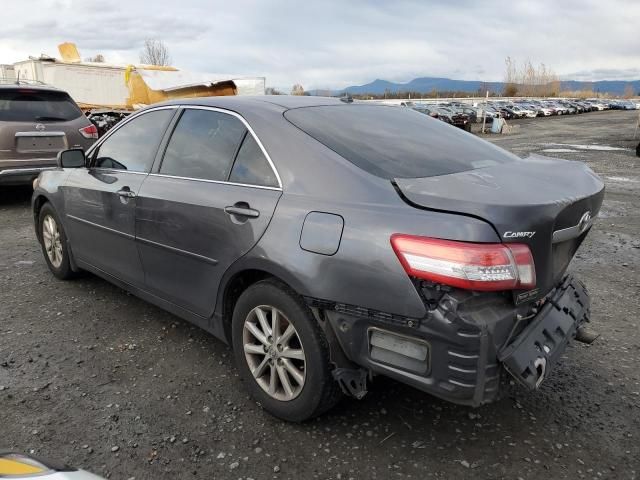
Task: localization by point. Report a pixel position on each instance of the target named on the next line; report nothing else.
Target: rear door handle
(126, 193)
(242, 211)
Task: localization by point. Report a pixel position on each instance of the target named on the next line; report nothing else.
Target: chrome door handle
(242, 212)
(125, 192)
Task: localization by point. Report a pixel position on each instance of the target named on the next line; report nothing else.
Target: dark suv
(36, 122)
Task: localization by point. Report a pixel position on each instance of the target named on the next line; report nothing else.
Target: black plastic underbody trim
(383, 317)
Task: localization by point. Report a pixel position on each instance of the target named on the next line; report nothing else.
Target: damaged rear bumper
(461, 349)
(532, 355)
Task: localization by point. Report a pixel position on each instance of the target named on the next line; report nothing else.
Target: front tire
(281, 353)
(53, 241)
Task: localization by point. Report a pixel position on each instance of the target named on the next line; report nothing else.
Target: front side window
(203, 145)
(133, 146)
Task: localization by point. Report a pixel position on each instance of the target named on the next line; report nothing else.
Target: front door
(209, 202)
(100, 201)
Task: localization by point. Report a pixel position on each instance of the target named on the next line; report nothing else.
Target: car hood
(526, 201)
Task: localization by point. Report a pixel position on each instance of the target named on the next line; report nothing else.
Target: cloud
(604, 74)
(335, 43)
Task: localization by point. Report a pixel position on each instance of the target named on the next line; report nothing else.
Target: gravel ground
(106, 382)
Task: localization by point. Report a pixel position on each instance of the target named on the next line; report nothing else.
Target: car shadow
(15, 195)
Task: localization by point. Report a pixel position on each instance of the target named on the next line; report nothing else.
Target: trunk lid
(545, 203)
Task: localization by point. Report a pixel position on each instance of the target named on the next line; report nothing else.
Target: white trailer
(105, 85)
(86, 82)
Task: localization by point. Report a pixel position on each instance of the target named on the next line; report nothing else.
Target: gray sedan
(329, 242)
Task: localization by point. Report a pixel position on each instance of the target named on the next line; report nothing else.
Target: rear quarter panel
(365, 270)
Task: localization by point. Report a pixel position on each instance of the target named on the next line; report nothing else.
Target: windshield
(393, 142)
(25, 105)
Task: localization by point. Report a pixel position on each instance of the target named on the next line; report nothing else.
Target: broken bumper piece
(535, 351)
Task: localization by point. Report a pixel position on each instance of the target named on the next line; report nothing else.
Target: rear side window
(393, 142)
(30, 105)
(203, 145)
(133, 146)
(251, 166)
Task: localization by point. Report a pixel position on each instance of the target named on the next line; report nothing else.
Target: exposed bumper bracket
(353, 382)
(534, 352)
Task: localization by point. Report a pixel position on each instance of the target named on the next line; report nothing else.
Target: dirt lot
(100, 379)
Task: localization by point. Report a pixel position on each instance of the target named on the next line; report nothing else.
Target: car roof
(242, 103)
(25, 86)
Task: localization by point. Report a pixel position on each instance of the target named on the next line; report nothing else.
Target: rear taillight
(472, 266)
(89, 132)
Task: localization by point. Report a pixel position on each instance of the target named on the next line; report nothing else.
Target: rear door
(100, 201)
(205, 205)
(35, 124)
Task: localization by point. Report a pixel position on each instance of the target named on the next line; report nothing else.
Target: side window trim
(96, 146)
(235, 155)
(164, 143)
(156, 171)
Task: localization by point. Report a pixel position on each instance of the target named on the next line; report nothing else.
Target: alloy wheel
(274, 353)
(52, 240)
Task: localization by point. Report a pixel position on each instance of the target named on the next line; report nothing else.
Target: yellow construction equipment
(140, 93)
(69, 52)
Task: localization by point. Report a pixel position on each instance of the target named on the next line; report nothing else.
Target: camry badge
(510, 234)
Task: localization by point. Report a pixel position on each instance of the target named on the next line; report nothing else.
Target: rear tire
(53, 241)
(284, 362)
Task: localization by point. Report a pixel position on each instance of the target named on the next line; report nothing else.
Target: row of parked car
(463, 114)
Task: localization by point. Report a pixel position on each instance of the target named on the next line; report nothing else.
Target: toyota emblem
(40, 127)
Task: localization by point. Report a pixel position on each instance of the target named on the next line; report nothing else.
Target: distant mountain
(423, 85)
(615, 87)
(429, 84)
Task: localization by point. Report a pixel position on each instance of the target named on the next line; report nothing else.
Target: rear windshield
(24, 105)
(393, 142)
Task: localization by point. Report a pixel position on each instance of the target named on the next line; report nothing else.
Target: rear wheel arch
(241, 279)
(315, 388)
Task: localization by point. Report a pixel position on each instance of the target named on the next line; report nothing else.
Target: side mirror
(72, 158)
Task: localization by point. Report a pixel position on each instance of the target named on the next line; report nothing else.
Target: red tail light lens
(89, 132)
(472, 266)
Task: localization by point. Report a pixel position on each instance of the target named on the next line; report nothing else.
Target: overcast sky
(333, 43)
